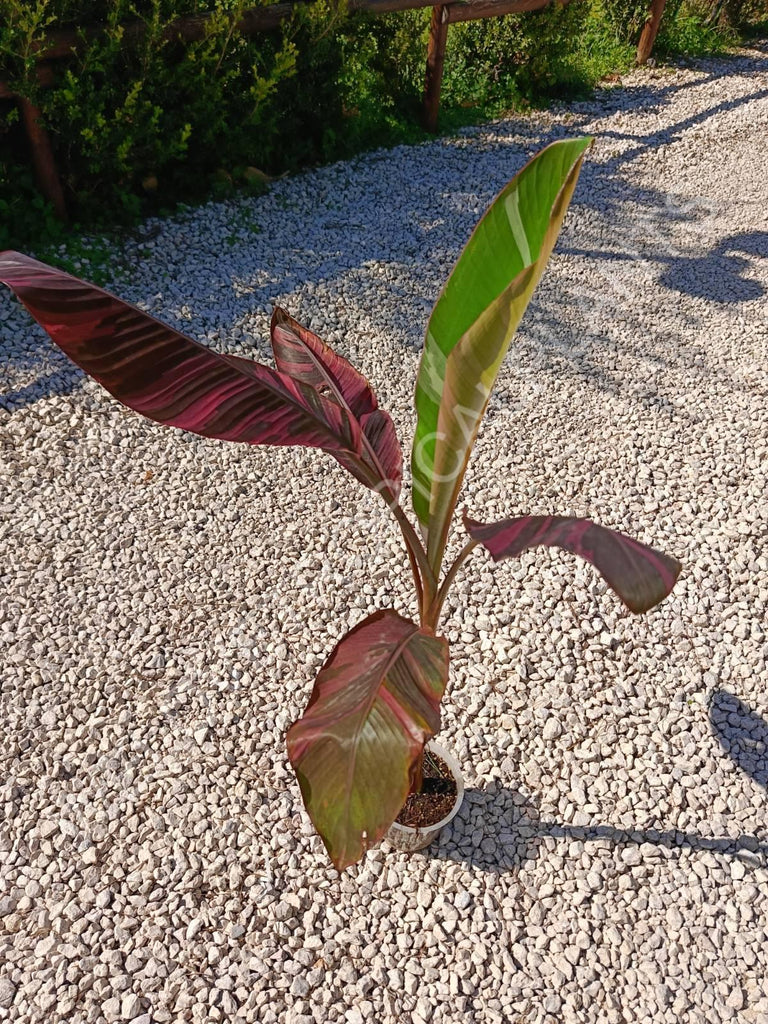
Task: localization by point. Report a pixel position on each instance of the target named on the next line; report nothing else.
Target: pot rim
(453, 765)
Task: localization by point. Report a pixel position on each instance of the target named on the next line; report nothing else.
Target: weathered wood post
(448, 13)
(650, 30)
(438, 35)
(42, 157)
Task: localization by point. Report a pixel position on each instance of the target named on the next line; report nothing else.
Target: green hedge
(139, 124)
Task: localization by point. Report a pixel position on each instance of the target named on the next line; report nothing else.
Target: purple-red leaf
(166, 376)
(640, 575)
(356, 747)
(304, 356)
(300, 353)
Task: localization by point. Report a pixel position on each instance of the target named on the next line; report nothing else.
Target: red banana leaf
(304, 356)
(641, 576)
(360, 740)
(166, 376)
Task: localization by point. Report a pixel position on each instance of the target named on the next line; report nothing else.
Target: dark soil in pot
(436, 797)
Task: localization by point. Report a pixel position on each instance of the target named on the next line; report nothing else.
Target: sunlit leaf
(473, 322)
(360, 740)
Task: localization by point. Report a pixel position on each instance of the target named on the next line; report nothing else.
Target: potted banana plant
(358, 750)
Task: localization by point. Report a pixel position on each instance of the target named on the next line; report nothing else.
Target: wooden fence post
(438, 34)
(650, 29)
(42, 157)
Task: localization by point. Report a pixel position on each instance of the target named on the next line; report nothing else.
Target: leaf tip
(646, 604)
(279, 316)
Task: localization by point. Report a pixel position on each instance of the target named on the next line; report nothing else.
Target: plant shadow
(742, 733)
(500, 830)
(496, 829)
(61, 381)
(718, 276)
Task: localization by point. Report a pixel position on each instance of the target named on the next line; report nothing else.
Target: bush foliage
(140, 121)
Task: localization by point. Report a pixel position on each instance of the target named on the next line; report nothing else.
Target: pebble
(110, 1008)
(552, 729)
(130, 1006)
(7, 993)
(44, 946)
(738, 871)
(632, 855)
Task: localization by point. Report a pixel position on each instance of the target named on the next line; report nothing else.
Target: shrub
(741, 15)
(136, 121)
(138, 124)
(688, 28)
(627, 17)
(692, 33)
(520, 55)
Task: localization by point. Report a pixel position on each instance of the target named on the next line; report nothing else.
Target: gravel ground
(166, 602)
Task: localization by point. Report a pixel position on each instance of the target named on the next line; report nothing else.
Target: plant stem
(417, 582)
(433, 614)
(424, 578)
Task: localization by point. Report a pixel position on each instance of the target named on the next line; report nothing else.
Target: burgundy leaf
(360, 740)
(300, 353)
(166, 376)
(641, 576)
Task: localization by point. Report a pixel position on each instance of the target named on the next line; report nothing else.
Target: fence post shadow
(742, 733)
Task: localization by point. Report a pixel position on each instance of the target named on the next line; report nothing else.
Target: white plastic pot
(408, 839)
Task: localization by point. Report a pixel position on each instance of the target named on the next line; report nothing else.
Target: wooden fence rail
(62, 45)
(192, 28)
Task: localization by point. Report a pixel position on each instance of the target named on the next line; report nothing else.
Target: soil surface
(436, 797)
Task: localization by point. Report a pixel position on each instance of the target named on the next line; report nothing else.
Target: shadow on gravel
(672, 133)
(719, 276)
(510, 833)
(670, 839)
(58, 382)
(351, 237)
(741, 733)
(626, 97)
(497, 829)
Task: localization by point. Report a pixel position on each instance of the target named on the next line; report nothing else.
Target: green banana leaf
(472, 325)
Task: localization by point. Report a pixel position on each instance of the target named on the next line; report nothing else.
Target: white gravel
(166, 602)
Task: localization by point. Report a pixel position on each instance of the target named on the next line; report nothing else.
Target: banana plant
(357, 749)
